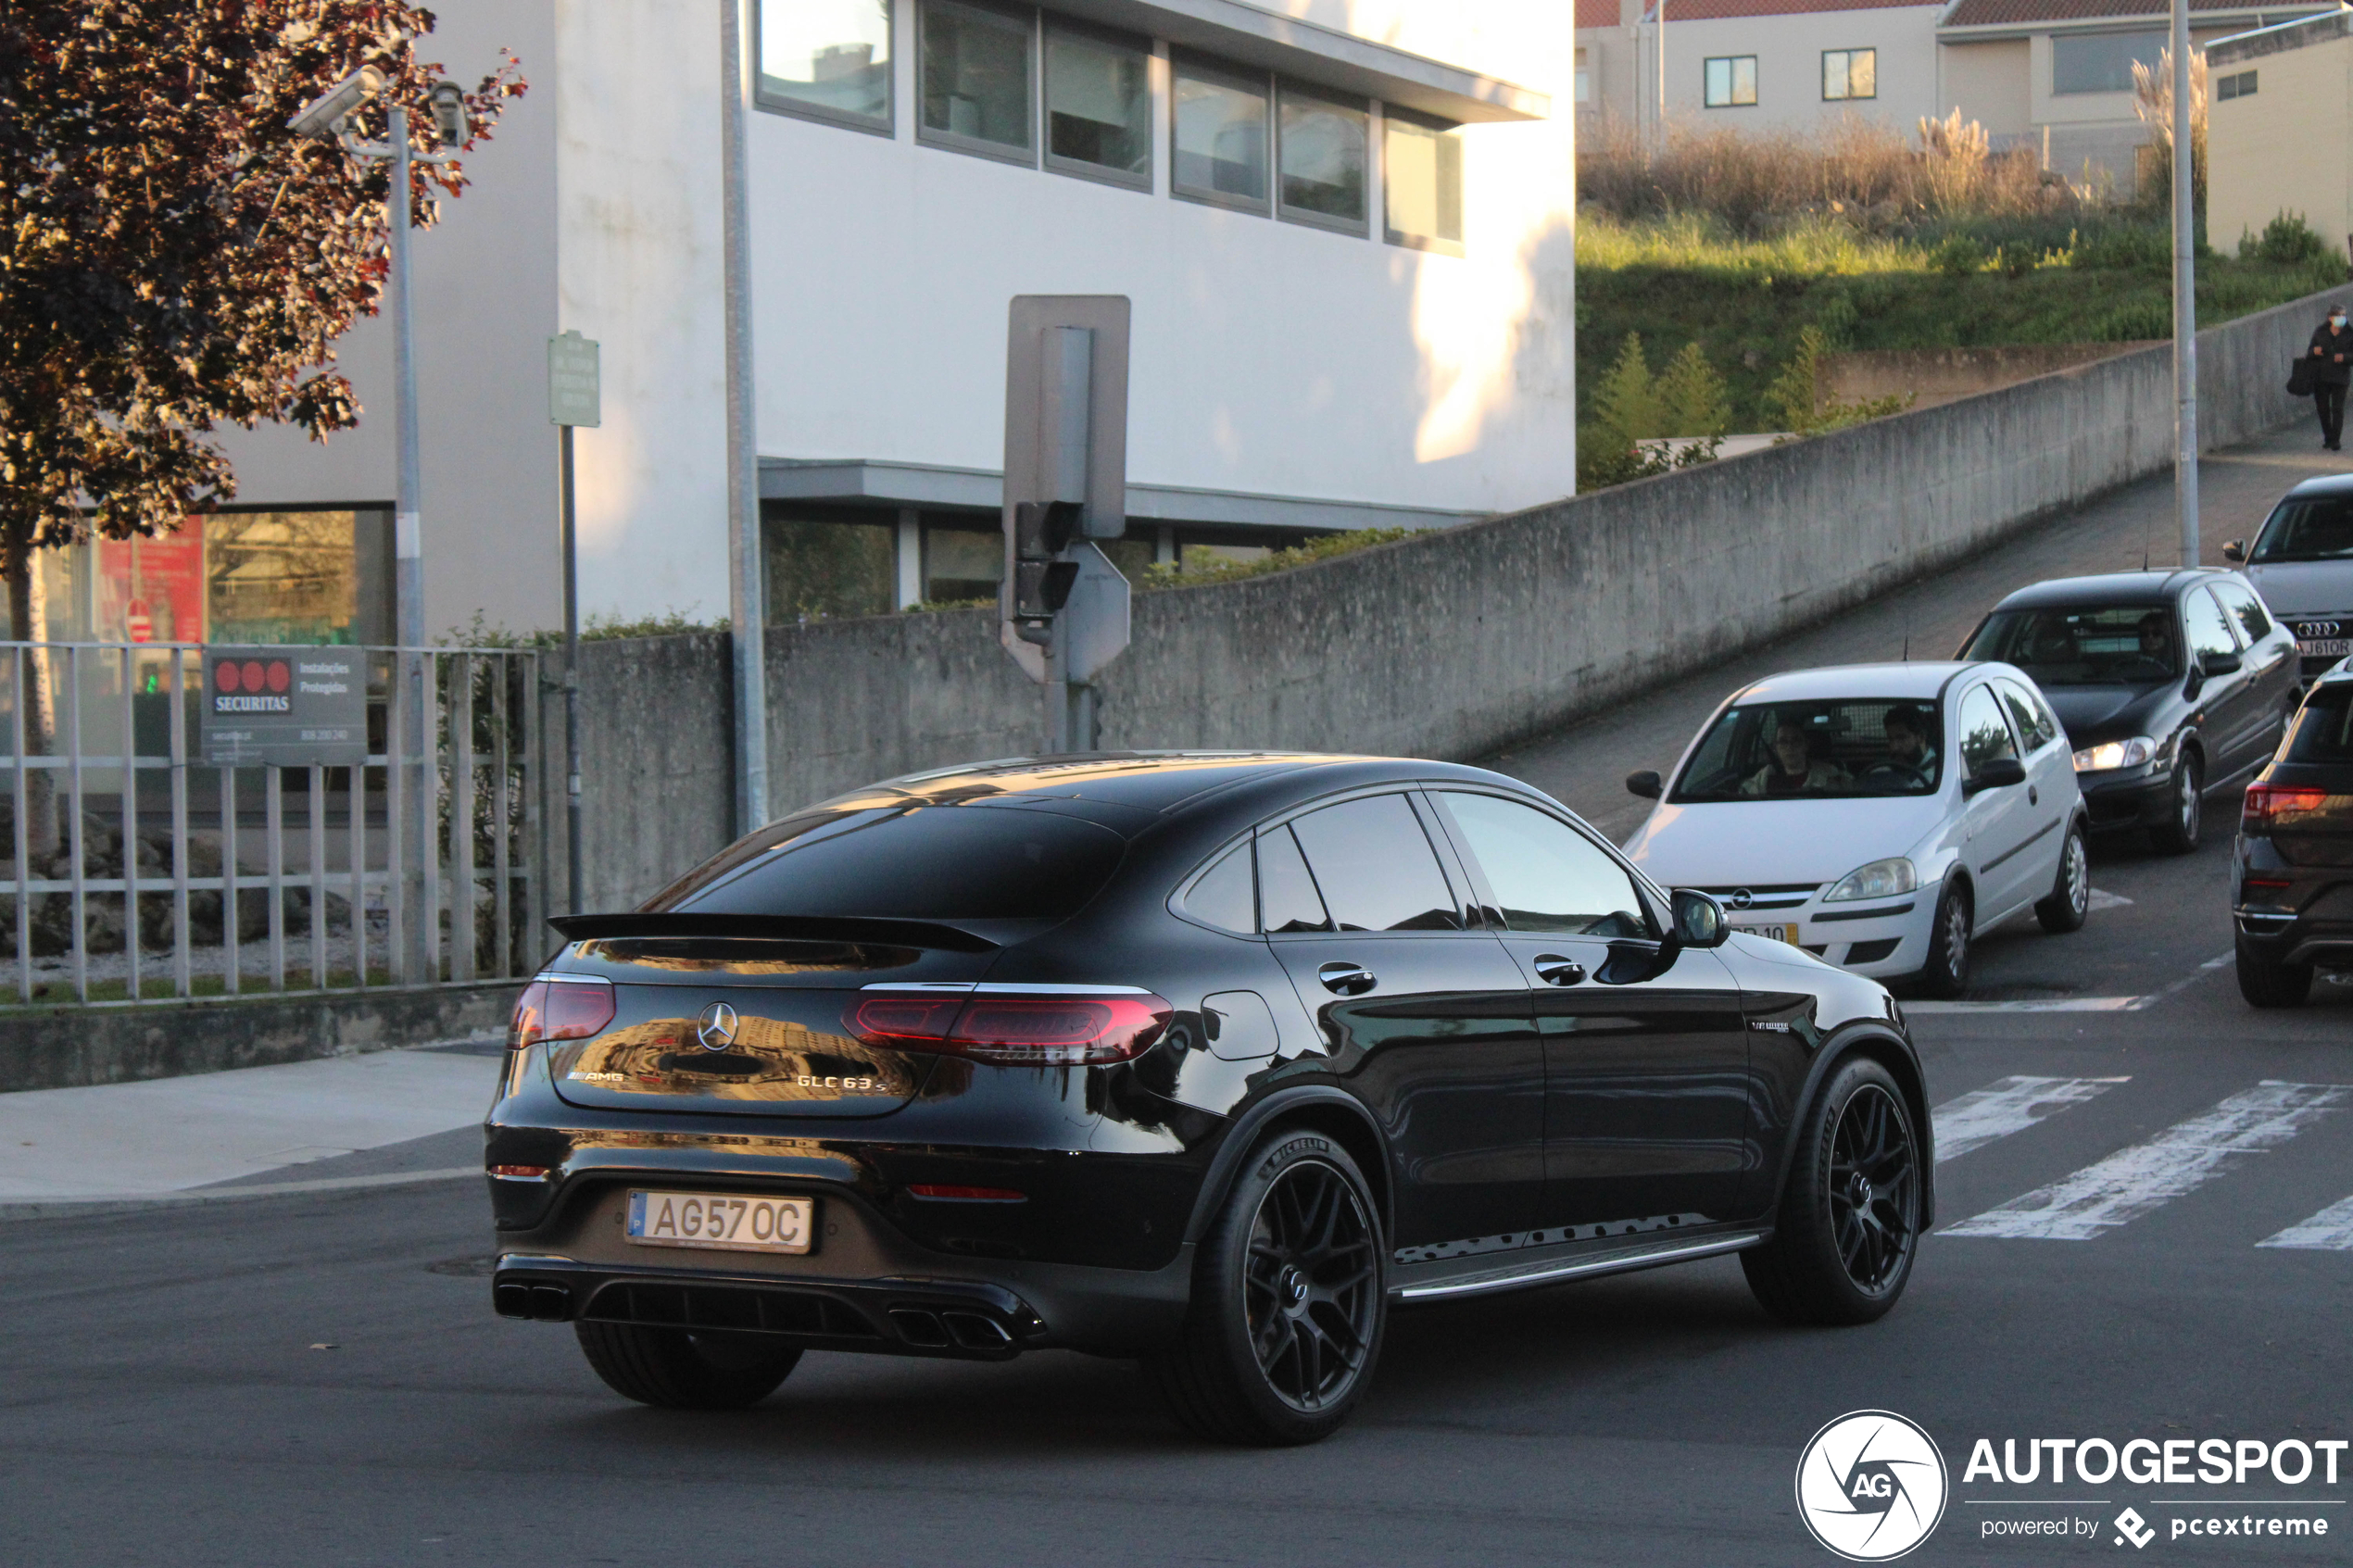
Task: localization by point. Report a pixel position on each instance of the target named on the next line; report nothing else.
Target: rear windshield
(2097, 646)
(2318, 529)
(910, 862)
(1840, 748)
(2324, 731)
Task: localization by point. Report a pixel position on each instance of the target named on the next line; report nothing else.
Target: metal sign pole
(408, 555)
(2184, 295)
(747, 600)
(575, 397)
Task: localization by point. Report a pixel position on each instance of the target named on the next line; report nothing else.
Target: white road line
(2102, 898)
(2013, 1105)
(2182, 1158)
(2330, 1230)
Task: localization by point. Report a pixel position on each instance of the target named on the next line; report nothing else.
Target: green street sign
(575, 396)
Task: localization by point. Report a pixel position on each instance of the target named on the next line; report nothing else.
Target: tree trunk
(29, 622)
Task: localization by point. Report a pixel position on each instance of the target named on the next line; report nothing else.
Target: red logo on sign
(224, 675)
(251, 674)
(279, 675)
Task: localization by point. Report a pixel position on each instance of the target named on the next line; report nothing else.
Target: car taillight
(1042, 1031)
(2265, 802)
(563, 1008)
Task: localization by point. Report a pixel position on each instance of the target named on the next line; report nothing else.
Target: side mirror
(1699, 919)
(1995, 773)
(2220, 664)
(1645, 784)
(2235, 549)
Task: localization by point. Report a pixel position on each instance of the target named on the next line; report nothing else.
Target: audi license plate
(1778, 932)
(720, 1220)
(2325, 647)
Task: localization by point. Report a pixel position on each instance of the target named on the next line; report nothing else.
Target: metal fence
(138, 869)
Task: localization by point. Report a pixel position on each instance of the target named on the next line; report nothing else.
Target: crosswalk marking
(2013, 1105)
(2182, 1158)
(2330, 1230)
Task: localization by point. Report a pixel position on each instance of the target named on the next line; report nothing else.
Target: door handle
(2032, 799)
(1346, 979)
(1555, 969)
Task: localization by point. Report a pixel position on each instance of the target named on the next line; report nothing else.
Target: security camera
(447, 101)
(324, 115)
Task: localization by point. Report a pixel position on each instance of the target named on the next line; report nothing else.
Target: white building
(1345, 227)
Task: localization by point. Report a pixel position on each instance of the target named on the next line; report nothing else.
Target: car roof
(2109, 588)
(1914, 678)
(2323, 485)
(1151, 782)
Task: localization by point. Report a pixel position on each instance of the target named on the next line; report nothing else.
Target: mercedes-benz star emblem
(1742, 898)
(716, 1027)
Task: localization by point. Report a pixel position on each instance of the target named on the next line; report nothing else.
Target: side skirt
(1583, 1264)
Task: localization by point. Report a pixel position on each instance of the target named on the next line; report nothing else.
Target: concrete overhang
(1320, 54)
(862, 481)
(2201, 20)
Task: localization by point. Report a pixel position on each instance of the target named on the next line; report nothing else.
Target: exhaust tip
(976, 1333)
(920, 1328)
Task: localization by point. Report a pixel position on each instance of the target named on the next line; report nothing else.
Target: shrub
(1692, 398)
(1172, 574)
(2135, 321)
(2121, 246)
(1959, 255)
(2286, 241)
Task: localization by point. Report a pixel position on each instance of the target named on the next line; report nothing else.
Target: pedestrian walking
(2333, 353)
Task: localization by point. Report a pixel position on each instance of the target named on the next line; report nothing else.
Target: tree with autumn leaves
(174, 257)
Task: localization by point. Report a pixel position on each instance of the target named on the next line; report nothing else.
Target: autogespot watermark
(1872, 1484)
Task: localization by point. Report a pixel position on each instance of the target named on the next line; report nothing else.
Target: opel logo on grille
(2309, 629)
(1742, 898)
(716, 1027)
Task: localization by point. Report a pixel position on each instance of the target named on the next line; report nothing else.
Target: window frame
(1390, 234)
(1850, 95)
(1209, 67)
(1033, 115)
(2061, 40)
(784, 103)
(1049, 25)
(1731, 82)
(1657, 904)
(2238, 85)
(1360, 227)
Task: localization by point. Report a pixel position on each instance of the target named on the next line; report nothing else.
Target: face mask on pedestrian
(2336, 321)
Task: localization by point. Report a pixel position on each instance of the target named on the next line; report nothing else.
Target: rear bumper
(2290, 939)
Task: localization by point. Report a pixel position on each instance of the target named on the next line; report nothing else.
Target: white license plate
(2325, 647)
(720, 1220)
(1778, 932)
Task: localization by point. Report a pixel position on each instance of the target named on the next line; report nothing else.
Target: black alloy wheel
(1288, 1306)
(1946, 973)
(1849, 1222)
(681, 1369)
(2180, 833)
(2070, 896)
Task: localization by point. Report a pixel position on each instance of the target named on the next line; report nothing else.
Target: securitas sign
(284, 707)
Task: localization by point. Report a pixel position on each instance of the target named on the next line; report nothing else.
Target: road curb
(75, 1208)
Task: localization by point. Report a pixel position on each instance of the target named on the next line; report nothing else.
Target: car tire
(1848, 1225)
(2070, 898)
(2180, 835)
(676, 1369)
(1290, 1300)
(2266, 983)
(1945, 976)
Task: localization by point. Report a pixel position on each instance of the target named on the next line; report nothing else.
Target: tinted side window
(1546, 875)
(2209, 631)
(1227, 894)
(2324, 731)
(2034, 722)
(1288, 899)
(1375, 868)
(2246, 609)
(1983, 735)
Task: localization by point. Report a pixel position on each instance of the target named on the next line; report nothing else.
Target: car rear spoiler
(801, 928)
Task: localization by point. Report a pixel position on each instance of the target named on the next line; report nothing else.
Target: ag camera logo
(1871, 1485)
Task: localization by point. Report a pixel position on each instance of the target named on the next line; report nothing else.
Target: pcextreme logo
(1871, 1485)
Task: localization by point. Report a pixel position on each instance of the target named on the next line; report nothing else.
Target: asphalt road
(318, 1379)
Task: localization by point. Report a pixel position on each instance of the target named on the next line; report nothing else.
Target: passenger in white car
(1794, 770)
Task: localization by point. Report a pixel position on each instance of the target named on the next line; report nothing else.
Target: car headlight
(1881, 879)
(2115, 754)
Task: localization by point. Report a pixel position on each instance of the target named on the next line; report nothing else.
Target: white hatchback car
(1822, 808)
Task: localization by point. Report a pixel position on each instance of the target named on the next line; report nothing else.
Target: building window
(1099, 107)
(1849, 73)
(1584, 76)
(2101, 62)
(823, 564)
(827, 59)
(963, 557)
(1319, 153)
(1220, 142)
(1422, 182)
(2241, 85)
(973, 66)
(1732, 82)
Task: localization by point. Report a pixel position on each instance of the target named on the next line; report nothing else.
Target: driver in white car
(1794, 770)
(1907, 745)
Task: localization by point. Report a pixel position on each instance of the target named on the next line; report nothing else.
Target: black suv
(2294, 861)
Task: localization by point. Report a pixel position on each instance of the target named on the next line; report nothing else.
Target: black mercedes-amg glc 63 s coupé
(1207, 1060)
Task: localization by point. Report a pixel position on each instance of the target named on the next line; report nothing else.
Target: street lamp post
(2185, 295)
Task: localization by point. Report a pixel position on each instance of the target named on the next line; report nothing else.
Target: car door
(2234, 721)
(1999, 821)
(1427, 1019)
(2050, 778)
(2271, 663)
(1645, 1046)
